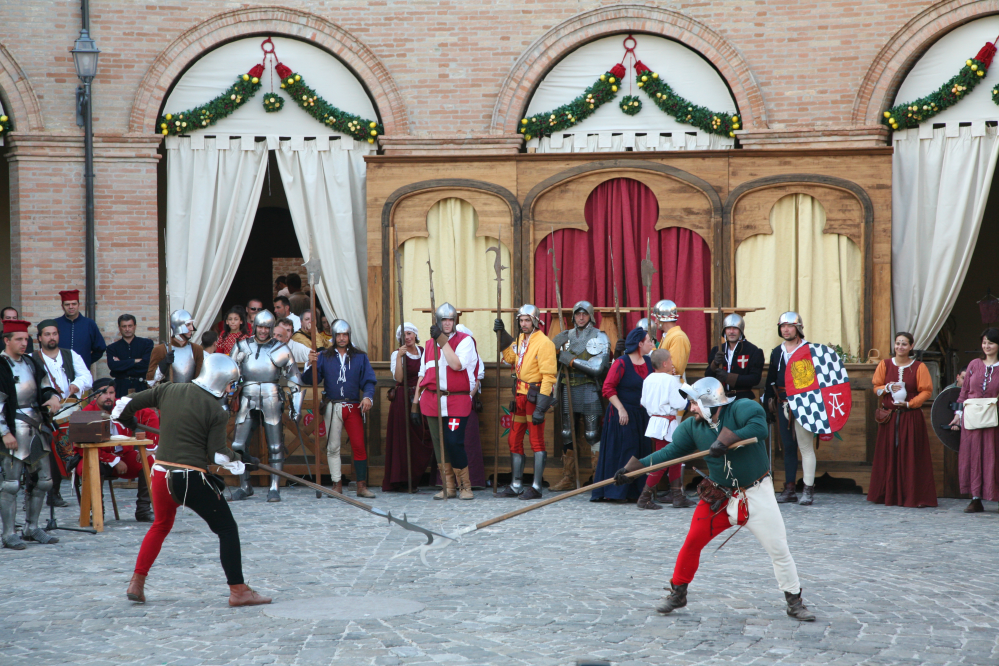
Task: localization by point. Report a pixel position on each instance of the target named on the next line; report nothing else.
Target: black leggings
(454, 440)
(201, 497)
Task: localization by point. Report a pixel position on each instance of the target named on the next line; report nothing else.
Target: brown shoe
(338, 486)
(362, 490)
(449, 481)
(645, 500)
(678, 497)
(464, 484)
(529, 493)
(242, 595)
(788, 495)
(136, 589)
(568, 480)
(975, 506)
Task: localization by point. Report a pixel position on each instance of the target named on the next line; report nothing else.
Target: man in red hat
(78, 333)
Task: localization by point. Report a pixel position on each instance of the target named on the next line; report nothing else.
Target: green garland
(576, 111)
(6, 125)
(208, 114)
(309, 101)
(273, 102)
(910, 114)
(703, 118)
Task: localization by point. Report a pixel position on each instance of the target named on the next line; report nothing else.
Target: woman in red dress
(235, 324)
(902, 473)
(976, 459)
(401, 469)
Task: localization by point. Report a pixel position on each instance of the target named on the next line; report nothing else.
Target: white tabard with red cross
(458, 383)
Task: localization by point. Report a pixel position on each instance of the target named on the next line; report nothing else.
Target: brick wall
(286, 265)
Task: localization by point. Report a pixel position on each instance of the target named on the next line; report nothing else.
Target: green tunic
(746, 419)
(192, 423)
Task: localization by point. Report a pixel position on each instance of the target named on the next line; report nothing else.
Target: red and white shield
(452, 424)
(742, 360)
(818, 389)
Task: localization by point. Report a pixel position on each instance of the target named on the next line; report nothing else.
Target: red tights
(703, 528)
(674, 470)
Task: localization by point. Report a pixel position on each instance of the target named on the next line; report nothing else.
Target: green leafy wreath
(6, 125)
(910, 114)
(309, 101)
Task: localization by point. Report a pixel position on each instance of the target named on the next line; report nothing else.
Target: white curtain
(940, 184)
(651, 140)
(212, 195)
(324, 183)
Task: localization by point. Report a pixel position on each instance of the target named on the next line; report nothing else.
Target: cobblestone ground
(574, 581)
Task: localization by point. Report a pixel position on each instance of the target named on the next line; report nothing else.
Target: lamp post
(85, 54)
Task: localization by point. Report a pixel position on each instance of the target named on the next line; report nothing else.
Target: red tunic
(459, 399)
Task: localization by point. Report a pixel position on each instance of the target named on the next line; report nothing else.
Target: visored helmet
(734, 321)
(532, 311)
(264, 319)
(585, 306)
(446, 311)
(218, 371)
(665, 310)
(708, 393)
(181, 323)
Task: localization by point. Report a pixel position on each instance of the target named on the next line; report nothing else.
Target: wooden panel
(844, 213)
(409, 218)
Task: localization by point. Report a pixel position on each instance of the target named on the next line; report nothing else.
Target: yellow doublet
(539, 364)
(678, 344)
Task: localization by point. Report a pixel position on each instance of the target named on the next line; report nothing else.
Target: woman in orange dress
(902, 473)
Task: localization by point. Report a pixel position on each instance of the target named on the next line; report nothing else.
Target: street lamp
(85, 54)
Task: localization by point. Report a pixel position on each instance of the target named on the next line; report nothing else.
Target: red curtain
(627, 210)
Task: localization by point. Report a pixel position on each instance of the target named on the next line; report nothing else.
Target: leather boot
(242, 595)
(679, 497)
(362, 490)
(807, 496)
(143, 505)
(677, 598)
(568, 480)
(338, 486)
(645, 500)
(464, 484)
(974, 507)
(448, 481)
(788, 494)
(796, 607)
(136, 589)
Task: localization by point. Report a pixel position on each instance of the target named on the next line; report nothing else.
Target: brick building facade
(445, 77)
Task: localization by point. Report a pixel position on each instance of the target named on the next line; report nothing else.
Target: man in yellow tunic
(674, 339)
(533, 356)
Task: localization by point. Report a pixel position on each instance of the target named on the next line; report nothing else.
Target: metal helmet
(643, 323)
(734, 321)
(218, 371)
(708, 393)
(532, 311)
(665, 310)
(264, 319)
(585, 306)
(446, 311)
(181, 323)
(341, 326)
(791, 317)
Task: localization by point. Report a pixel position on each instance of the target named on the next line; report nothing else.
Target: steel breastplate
(578, 340)
(183, 364)
(258, 366)
(26, 389)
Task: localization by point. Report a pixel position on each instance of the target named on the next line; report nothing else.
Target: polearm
(313, 267)
(647, 271)
(437, 380)
(600, 484)
(568, 371)
(617, 304)
(499, 268)
(405, 374)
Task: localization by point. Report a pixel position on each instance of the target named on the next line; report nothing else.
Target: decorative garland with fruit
(6, 125)
(247, 85)
(910, 114)
(606, 88)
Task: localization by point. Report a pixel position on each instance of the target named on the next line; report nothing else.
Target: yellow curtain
(463, 272)
(799, 268)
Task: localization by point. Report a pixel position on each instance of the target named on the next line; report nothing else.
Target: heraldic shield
(818, 389)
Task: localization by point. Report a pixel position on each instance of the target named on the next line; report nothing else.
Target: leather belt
(668, 417)
(196, 469)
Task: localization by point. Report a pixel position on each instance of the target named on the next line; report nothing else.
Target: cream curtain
(651, 140)
(212, 193)
(800, 268)
(324, 182)
(463, 272)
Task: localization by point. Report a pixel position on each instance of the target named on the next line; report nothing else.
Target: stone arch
(551, 47)
(907, 45)
(19, 97)
(287, 22)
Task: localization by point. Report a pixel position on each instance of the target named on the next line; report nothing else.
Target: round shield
(596, 346)
(942, 413)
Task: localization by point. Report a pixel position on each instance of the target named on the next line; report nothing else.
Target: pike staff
(313, 267)
(437, 379)
(648, 270)
(499, 268)
(621, 333)
(405, 374)
(568, 372)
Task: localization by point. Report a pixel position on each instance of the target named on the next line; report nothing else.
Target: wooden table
(90, 482)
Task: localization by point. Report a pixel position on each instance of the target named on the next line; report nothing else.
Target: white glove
(119, 407)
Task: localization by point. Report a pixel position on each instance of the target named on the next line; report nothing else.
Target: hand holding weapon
(437, 380)
(405, 375)
(313, 268)
(568, 369)
(499, 268)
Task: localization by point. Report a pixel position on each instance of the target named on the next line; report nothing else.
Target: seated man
(123, 462)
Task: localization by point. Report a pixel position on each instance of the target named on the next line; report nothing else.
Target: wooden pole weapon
(647, 271)
(405, 373)
(617, 304)
(568, 371)
(437, 379)
(313, 268)
(499, 268)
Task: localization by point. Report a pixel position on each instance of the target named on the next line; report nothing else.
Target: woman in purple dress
(398, 473)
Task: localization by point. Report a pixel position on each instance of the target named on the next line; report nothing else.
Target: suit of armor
(588, 349)
(261, 366)
(32, 387)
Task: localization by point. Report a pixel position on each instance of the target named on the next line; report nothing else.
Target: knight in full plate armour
(24, 389)
(263, 361)
(180, 362)
(584, 353)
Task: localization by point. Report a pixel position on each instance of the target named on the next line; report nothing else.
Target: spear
(499, 268)
(405, 374)
(647, 271)
(437, 381)
(617, 304)
(313, 267)
(568, 372)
